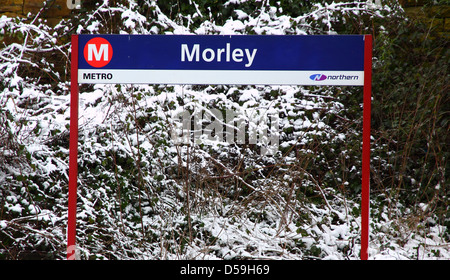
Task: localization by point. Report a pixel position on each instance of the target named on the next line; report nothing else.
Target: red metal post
(365, 191)
(73, 151)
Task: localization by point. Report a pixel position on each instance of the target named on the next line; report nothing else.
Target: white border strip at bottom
(216, 77)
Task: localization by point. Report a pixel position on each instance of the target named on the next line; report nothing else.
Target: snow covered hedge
(145, 195)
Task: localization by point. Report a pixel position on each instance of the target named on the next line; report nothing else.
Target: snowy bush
(143, 194)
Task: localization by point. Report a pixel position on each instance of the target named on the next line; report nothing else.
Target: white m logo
(98, 52)
(92, 51)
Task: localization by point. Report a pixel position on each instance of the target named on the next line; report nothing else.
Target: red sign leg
(73, 151)
(366, 147)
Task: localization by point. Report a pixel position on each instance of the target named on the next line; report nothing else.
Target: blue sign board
(222, 59)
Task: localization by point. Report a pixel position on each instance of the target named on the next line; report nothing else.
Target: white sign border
(237, 77)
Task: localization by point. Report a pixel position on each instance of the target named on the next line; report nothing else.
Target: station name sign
(217, 59)
(222, 59)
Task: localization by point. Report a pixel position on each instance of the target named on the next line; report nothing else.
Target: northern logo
(98, 52)
(318, 77)
(322, 77)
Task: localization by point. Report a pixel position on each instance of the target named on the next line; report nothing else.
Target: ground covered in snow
(150, 189)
